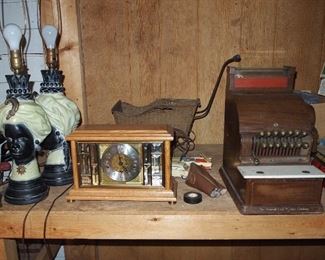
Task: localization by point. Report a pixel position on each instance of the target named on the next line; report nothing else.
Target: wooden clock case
(125, 134)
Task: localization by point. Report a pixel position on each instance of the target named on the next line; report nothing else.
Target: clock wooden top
(109, 132)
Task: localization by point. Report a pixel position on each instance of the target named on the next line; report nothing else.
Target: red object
(261, 82)
(5, 166)
(318, 165)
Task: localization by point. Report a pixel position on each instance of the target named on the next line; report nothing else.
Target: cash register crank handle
(203, 113)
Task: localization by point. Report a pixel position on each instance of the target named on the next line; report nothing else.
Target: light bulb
(12, 34)
(50, 33)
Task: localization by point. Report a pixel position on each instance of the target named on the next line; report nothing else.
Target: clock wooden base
(130, 194)
(121, 162)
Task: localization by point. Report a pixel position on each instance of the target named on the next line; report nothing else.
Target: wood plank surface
(211, 219)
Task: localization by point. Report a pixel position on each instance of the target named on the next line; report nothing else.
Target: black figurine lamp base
(57, 175)
(26, 192)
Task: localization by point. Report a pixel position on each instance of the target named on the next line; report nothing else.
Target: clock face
(121, 162)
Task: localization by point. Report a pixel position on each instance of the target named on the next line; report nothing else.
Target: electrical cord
(24, 228)
(184, 143)
(48, 249)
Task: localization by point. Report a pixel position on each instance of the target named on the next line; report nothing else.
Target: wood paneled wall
(140, 50)
(196, 250)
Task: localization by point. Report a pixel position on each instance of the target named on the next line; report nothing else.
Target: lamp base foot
(26, 192)
(57, 175)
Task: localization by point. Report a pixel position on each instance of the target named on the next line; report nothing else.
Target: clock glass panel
(121, 164)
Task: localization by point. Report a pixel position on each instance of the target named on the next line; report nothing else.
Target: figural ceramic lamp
(25, 125)
(63, 114)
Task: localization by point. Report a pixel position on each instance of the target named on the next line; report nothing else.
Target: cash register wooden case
(269, 137)
(121, 162)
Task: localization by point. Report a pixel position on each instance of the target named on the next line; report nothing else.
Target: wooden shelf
(211, 219)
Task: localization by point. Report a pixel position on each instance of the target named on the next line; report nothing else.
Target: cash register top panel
(266, 112)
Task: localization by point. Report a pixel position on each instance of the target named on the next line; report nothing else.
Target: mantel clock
(122, 162)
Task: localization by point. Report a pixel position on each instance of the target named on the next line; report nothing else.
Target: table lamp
(25, 125)
(63, 114)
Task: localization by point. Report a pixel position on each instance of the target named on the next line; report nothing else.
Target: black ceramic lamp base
(26, 192)
(57, 175)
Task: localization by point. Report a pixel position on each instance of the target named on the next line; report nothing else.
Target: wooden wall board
(196, 250)
(218, 39)
(298, 40)
(258, 27)
(322, 59)
(320, 118)
(179, 53)
(74, 249)
(8, 249)
(105, 50)
(48, 12)
(70, 56)
(141, 50)
(144, 48)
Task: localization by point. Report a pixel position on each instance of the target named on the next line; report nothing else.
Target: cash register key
(298, 144)
(290, 132)
(256, 161)
(262, 133)
(284, 144)
(268, 133)
(275, 133)
(283, 133)
(297, 132)
(305, 145)
(304, 133)
(264, 145)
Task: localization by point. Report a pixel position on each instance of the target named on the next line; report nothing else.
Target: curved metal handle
(203, 113)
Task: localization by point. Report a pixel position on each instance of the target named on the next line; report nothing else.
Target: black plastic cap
(236, 58)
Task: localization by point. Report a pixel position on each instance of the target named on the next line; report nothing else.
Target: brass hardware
(16, 62)
(14, 109)
(52, 58)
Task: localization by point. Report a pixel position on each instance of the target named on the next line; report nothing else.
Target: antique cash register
(268, 139)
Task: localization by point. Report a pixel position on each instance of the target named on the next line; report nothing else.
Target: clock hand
(121, 163)
(124, 168)
(120, 159)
